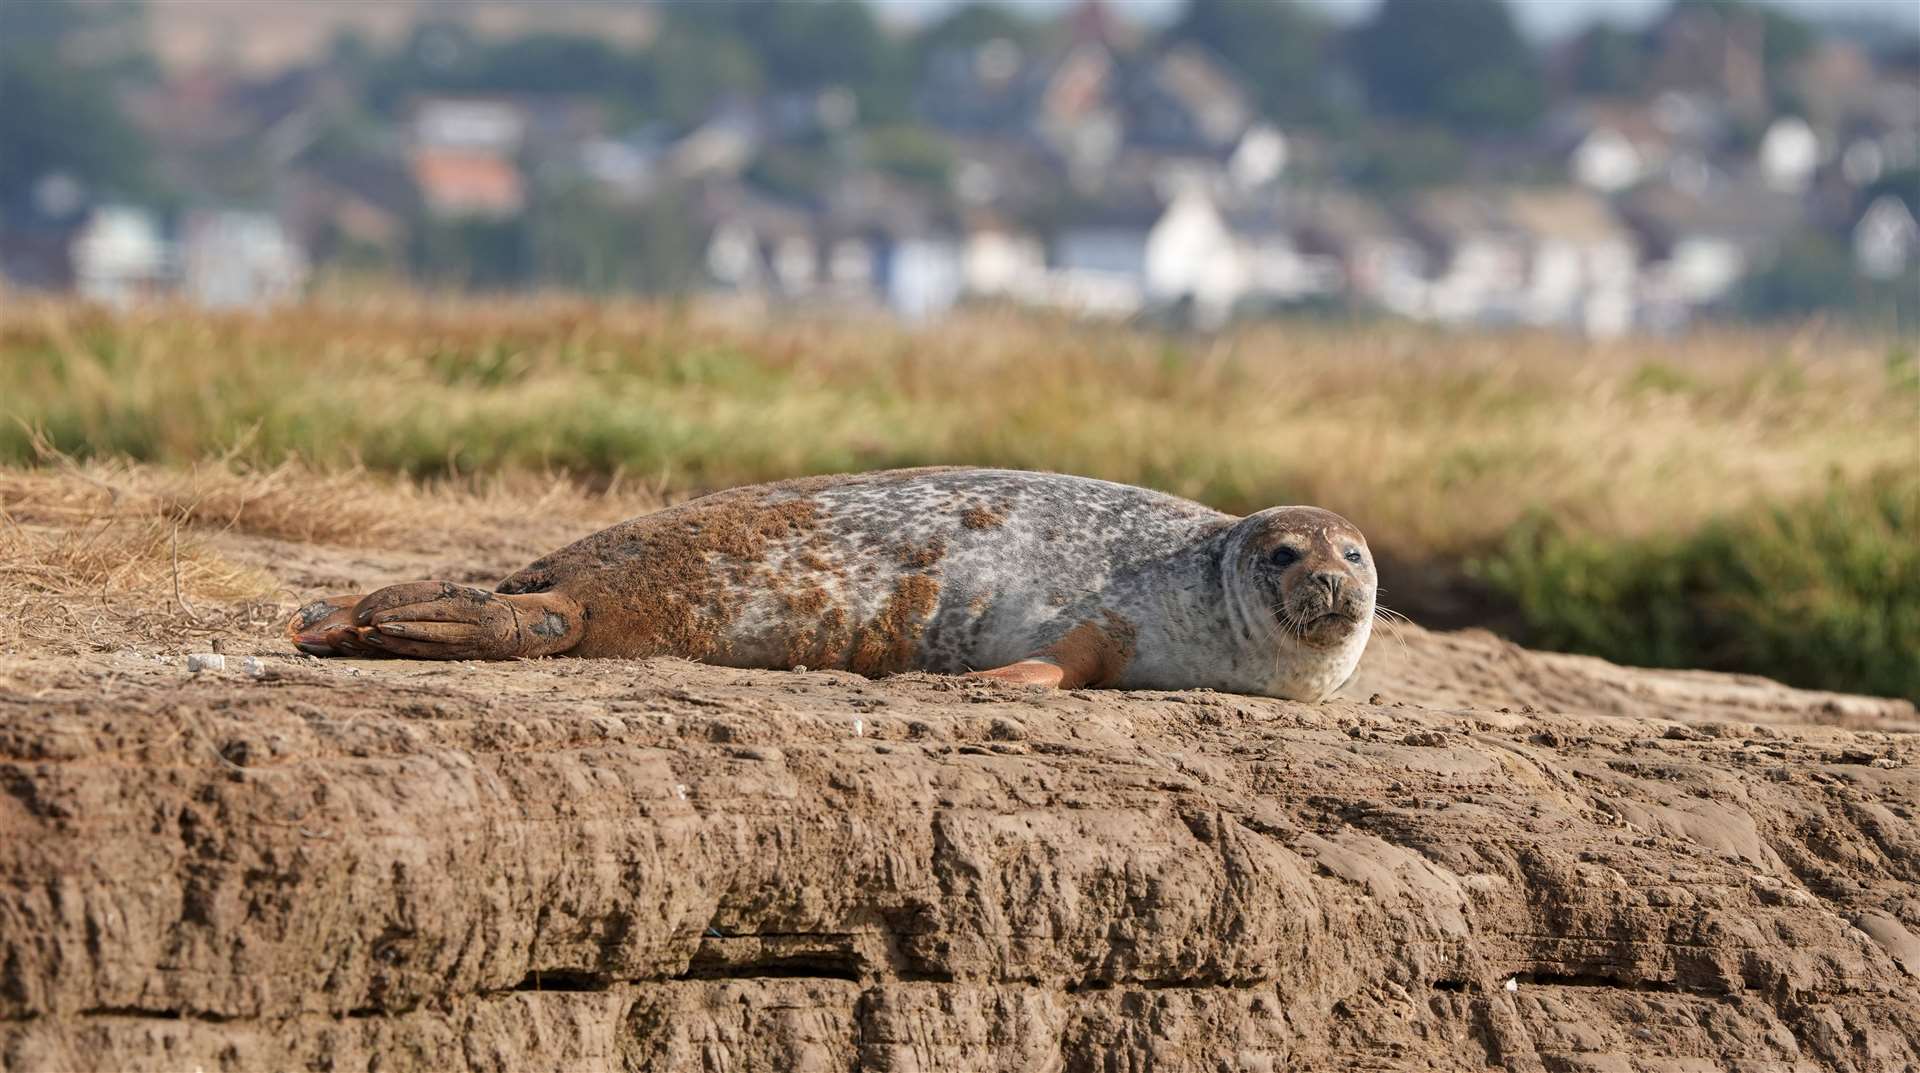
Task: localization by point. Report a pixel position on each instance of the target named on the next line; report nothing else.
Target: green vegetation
(1279, 49)
(1814, 276)
(58, 113)
(1462, 63)
(1823, 592)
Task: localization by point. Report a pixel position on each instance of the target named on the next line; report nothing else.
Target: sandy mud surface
(1476, 856)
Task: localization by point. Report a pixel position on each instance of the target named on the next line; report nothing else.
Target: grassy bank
(1441, 445)
(1821, 592)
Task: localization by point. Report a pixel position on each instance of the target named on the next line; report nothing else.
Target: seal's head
(1315, 570)
(1303, 581)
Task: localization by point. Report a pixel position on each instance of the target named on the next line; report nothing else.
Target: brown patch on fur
(981, 516)
(813, 645)
(923, 556)
(809, 601)
(664, 583)
(834, 638)
(1095, 655)
(813, 561)
(669, 583)
(891, 642)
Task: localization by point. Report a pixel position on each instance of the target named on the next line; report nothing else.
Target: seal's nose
(1330, 581)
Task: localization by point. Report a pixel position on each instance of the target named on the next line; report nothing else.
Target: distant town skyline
(1541, 19)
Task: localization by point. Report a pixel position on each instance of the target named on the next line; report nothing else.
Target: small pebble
(1513, 983)
(205, 661)
(859, 727)
(255, 667)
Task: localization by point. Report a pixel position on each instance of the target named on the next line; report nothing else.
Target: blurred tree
(1462, 63)
(57, 108)
(814, 44)
(911, 153)
(1785, 39)
(695, 65)
(446, 58)
(102, 38)
(1814, 276)
(976, 24)
(1903, 183)
(1385, 159)
(473, 252)
(1609, 60)
(795, 172)
(1278, 49)
(578, 240)
(554, 63)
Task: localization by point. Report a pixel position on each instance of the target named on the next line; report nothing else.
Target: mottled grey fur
(1024, 558)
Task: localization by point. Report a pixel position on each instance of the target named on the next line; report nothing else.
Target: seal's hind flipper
(438, 620)
(441, 620)
(325, 627)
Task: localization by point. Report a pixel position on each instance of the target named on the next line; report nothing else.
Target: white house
(238, 260)
(1477, 258)
(1549, 257)
(922, 275)
(1259, 158)
(1192, 255)
(1375, 260)
(1584, 266)
(998, 259)
(469, 124)
(1887, 238)
(1789, 154)
(1098, 264)
(119, 256)
(1700, 243)
(1607, 160)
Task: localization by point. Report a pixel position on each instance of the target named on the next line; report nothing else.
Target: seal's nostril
(1329, 581)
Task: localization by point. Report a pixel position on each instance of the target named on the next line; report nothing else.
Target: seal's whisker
(1392, 619)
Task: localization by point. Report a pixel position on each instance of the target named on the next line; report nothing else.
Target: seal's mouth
(1318, 626)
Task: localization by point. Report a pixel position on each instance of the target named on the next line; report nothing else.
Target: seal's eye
(1353, 556)
(1284, 556)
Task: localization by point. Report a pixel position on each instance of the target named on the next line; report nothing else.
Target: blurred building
(239, 260)
(119, 256)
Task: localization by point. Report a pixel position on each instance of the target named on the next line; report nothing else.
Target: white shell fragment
(205, 661)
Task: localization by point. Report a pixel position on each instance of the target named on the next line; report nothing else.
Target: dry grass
(106, 554)
(108, 580)
(296, 502)
(1435, 442)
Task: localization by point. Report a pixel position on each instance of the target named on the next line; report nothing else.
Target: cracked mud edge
(564, 981)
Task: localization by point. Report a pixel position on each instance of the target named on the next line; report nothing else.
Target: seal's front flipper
(441, 620)
(1088, 656)
(1031, 672)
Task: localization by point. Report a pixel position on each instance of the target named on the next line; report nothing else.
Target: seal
(1030, 578)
